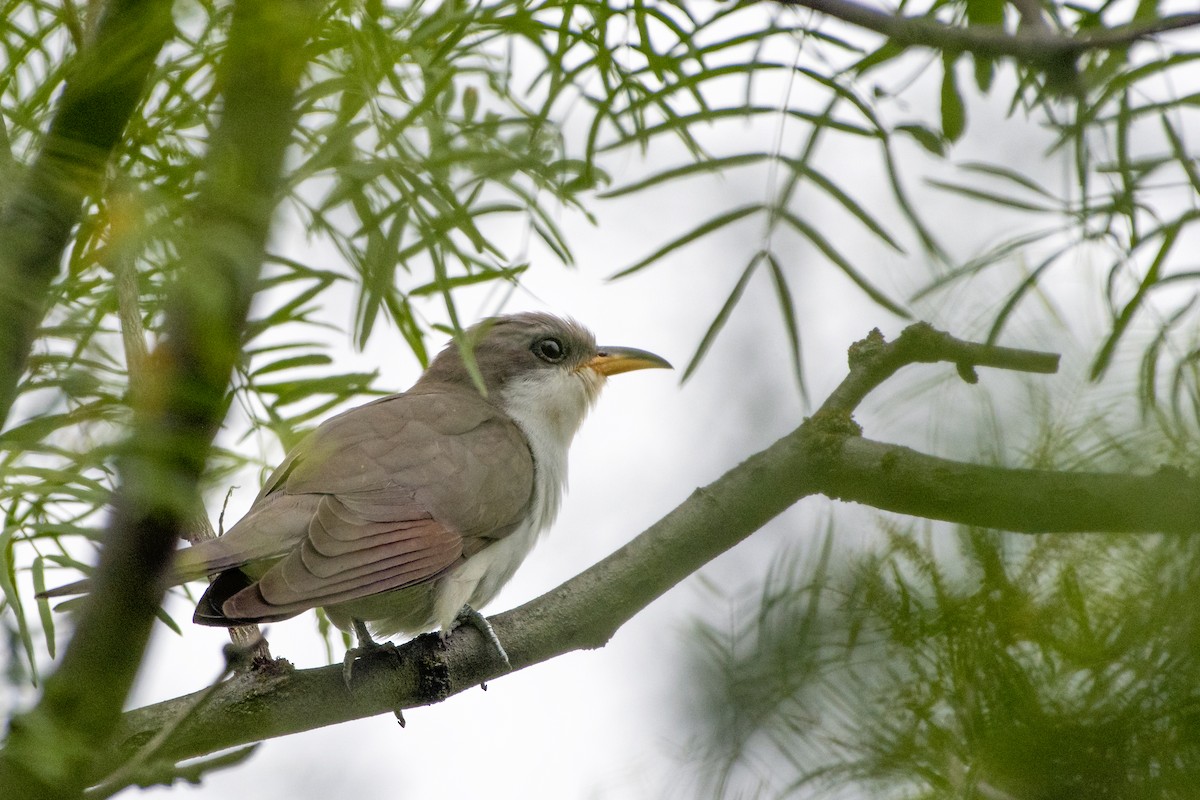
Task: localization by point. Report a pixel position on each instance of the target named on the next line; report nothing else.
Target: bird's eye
(549, 349)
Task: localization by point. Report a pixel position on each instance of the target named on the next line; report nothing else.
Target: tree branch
(894, 478)
(50, 751)
(825, 455)
(1034, 44)
(137, 359)
(873, 360)
(105, 84)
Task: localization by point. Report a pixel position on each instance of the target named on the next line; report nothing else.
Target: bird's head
(538, 365)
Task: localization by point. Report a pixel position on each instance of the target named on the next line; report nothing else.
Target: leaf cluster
(1120, 221)
(961, 662)
(1012, 667)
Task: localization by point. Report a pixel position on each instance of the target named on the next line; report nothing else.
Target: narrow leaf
(1121, 323)
(310, 360)
(699, 231)
(954, 115)
(8, 585)
(722, 316)
(787, 309)
(929, 139)
(822, 244)
(39, 586)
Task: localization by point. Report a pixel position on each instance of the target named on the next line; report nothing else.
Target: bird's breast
(487, 571)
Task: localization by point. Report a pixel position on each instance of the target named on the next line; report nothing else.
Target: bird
(411, 512)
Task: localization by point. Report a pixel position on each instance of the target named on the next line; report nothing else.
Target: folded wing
(385, 496)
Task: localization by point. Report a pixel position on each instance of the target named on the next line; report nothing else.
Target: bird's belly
(435, 605)
(490, 569)
(401, 611)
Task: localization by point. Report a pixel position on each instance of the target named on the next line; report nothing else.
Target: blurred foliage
(950, 662)
(1125, 211)
(1012, 667)
(980, 664)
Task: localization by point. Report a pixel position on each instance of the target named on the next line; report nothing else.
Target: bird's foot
(367, 646)
(469, 616)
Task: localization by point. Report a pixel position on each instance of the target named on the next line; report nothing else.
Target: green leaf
(287, 392)
(821, 243)
(309, 360)
(8, 585)
(705, 228)
(1146, 10)
(850, 205)
(975, 193)
(995, 170)
(884, 54)
(1148, 373)
(1186, 160)
(1028, 284)
(1121, 321)
(985, 71)
(722, 317)
(47, 618)
(703, 167)
(787, 308)
(985, 12)
(929, 139)
(166, 619)
(954, 114)
(510, 274)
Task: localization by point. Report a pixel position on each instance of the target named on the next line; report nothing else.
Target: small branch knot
(866, 349)
(833, 422)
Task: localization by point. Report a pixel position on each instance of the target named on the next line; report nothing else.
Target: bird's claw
(366, 647)
(469, 616)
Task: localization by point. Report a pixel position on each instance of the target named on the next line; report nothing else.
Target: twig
(1124, 35)
(873, 360)
(236, 659)
(1032, 44)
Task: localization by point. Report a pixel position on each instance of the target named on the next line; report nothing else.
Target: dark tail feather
(208, 610)
(223, 587)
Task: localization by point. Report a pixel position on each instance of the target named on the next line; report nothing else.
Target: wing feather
(399, 489)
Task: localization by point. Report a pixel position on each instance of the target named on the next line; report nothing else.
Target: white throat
(549, 407)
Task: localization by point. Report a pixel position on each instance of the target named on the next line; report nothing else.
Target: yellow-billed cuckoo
(409, 510)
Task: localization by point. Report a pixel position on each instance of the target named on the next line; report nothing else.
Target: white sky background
(611, 724)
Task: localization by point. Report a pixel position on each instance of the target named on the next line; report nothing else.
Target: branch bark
(825, 455)
(106, 82)
(137, 361)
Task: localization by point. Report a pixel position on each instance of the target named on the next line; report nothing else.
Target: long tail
(185, 566)
(266, 533)
(191, 563)
(78, 587)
